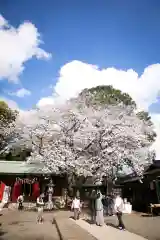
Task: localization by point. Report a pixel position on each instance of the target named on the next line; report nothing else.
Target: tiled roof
(18, 167)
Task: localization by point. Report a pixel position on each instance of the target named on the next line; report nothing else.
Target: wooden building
(141, 192)
(29, 179)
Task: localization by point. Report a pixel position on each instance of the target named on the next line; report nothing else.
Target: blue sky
(107, 33)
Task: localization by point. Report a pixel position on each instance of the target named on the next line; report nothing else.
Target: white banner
(6, 194)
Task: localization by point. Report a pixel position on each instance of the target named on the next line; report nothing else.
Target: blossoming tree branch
(96, 134)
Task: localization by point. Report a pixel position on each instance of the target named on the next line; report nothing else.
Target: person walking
(110, 205)
(40, 205)
(92, 206)
(76, 207)
(99, 210)
(118, 206)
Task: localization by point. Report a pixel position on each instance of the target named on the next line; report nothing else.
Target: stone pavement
(69, 230)
(22, 225)
(17, 225)
(140, 224)
(107, 232)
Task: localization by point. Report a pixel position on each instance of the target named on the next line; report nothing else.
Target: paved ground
(22, 226)
(107, 232)
(71, 231)
(17, 225)
(144, 225)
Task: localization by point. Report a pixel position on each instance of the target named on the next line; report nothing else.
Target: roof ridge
(5, 161)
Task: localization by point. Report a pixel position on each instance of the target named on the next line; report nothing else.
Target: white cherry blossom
(86, 139)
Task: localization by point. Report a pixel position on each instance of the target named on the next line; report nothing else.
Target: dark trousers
(109, 210)
(20, 206)
(93, 215)
(76, 213)
(120, 221)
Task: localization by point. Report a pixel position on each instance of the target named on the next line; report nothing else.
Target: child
(76, 207)
(40, 205)
(20, 201)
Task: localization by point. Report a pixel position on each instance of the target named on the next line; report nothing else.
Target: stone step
(69, 230)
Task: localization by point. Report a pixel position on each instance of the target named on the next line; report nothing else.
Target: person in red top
(2, 187)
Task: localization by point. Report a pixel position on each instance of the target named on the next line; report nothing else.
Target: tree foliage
(82, 137)
(7, 123)
(144, 116)
(107, 95)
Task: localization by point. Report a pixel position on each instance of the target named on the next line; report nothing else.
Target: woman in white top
(119, 206)
(76, 207)
(99, 209)
(40, 205)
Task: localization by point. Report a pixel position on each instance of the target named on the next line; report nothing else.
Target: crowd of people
(99, 205)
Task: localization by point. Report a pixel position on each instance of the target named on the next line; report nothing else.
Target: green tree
(7, 120)
(108, 95)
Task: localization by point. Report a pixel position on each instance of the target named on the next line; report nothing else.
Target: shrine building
(28, 179)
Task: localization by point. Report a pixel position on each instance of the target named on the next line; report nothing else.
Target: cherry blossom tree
(84, 138)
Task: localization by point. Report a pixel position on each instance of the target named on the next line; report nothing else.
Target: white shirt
(20, 198)
(76, 203)
(118, 205)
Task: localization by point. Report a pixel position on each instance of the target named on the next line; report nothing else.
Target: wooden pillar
(157, 185)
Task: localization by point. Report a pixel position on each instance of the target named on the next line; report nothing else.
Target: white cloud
(3, 21)
(75, 76)
(45, 101)
(28, 117)
(18, 45)
(21, 93)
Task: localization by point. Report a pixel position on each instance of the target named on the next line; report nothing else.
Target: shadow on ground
(18, 222)
(89, 221)
(149, 215)
(2, 233)
(112, 225)
(108, 224)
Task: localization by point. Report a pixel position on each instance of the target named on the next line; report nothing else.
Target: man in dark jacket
(108, 205)
(92, 206)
